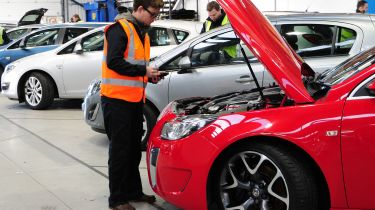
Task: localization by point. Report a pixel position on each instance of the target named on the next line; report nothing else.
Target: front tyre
(265, 177)
(39, 91)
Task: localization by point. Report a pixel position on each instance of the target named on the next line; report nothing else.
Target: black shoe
(146, 198)
(125, 206)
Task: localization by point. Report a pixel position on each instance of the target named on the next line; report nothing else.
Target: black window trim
(356, 89)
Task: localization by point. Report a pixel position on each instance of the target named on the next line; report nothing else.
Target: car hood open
(269, 47)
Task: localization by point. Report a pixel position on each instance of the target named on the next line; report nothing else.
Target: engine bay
(233, 102)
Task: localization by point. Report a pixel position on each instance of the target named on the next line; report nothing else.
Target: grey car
(202, 67)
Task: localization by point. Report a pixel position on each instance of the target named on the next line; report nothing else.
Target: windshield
(348, 68)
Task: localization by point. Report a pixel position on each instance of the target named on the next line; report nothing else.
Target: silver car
(202, 66)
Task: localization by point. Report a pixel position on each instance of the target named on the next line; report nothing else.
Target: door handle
(244, 79)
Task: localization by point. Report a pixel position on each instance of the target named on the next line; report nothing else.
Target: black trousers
(124, 126)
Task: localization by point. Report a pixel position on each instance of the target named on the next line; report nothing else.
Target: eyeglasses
(153, 15)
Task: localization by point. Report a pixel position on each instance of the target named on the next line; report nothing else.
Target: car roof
(78, 38)
(28, 26)
(179, 24)
(348, 17)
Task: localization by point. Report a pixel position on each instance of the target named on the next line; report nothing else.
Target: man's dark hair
(77, 16)
(213, 5)
(121, 9)
(148, 3)
(360, 4)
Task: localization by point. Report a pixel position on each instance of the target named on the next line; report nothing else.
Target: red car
(306, 144)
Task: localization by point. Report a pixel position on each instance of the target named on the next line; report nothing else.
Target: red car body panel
(196, 154)
(268, 46)
(334, 131)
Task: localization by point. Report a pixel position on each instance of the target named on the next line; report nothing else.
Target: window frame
(26, 39)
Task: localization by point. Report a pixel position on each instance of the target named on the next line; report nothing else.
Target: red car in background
(306, 144)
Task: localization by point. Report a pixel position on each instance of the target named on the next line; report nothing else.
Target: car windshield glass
(31, 17)
(16, 33)
(348, 68)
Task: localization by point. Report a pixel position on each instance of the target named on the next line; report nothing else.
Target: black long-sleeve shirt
(117, 41)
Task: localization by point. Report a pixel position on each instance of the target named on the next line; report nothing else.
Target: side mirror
(371, 88)
(78, 49)
(185, 63)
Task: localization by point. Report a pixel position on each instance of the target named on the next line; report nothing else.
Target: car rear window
(318, 39)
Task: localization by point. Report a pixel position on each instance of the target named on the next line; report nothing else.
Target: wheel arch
(20, 90)
(324, 195)
(152, 106)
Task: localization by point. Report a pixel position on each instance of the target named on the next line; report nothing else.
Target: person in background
(75, 19)
(3, 37)
(125, 73)
(362, 7)
(216, 17)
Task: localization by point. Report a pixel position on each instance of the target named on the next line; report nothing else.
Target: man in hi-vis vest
(3, 37)
(217, 18)
(125, 73)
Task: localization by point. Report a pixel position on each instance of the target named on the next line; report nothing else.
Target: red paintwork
(268, 46)
(302, 125)
(345, 159)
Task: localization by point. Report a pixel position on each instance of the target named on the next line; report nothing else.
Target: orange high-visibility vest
(122, 87)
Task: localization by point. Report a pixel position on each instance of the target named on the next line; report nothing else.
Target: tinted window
(93, 42)
(42, 38)
(317, 40)
(309, 40)
(68, 49)
(346, 39)
(15, 45)
(363, 90)
(16, 33)
(221, 49)
(180, 35)
(72, 33)
(159, 37)
(31, 17)
(173, 63)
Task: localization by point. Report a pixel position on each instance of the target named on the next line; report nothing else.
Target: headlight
(10, 67)
(94, 87)
(179, 128)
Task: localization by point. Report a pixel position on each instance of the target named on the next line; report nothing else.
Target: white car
(66, 71)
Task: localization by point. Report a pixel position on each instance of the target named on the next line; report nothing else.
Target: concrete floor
(51, 160)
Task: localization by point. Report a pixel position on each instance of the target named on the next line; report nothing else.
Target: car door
(358, 146)
(217, 67)
(83, 65)
(322, 44)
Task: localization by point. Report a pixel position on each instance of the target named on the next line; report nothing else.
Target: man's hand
(153, 74)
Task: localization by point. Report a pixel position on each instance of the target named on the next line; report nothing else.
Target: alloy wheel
(252, 181)
(33, 91)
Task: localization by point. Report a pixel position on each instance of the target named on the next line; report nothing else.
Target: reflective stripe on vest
(122, 87)
(1, 35)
